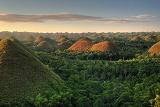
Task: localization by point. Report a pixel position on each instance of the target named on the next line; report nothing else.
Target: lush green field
(98, 83)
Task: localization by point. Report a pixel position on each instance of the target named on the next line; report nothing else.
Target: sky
(80, 15)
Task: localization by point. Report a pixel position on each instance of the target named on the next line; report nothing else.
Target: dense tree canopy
(127, 78)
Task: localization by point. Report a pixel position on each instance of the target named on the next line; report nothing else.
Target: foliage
(22, 74)
(129, 78)
(99, 83)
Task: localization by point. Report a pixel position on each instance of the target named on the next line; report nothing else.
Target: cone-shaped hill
(60, 39)
(39, 39)
(22, 74)
(149, 38)
(82, 45)
(63, 42)
(44, 43)
(137, 38)
(155, 49)
(103, 46)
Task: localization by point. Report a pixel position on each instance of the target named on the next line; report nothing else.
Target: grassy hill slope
(22, 75)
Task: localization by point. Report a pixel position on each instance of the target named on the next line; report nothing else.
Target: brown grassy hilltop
(137, 38)
(103, 47)
(44, 43)
(149, 38)
(155, 49)
(60, 39)
(63, 42)
(22, 74)
(39, 39)
(82, 45)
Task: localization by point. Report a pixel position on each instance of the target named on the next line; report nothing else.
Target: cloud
(66, 17)
(143, 16)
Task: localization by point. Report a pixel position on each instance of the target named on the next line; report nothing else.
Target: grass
(22, 75)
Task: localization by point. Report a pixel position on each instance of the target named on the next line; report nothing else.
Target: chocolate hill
(103, 47)
(60, 39)
(137, 38)
(22, 74)
(39, 39)
(155, 49)
(44, 43)
(82, 45)
(149, 38)
(63, 42)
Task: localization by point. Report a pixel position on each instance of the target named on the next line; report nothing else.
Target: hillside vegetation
(100, 83)
(22, 75)
(122, 71)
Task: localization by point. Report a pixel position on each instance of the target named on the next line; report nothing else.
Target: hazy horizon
(80, 16)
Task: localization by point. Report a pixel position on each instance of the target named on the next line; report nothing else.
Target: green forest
(126, 77)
